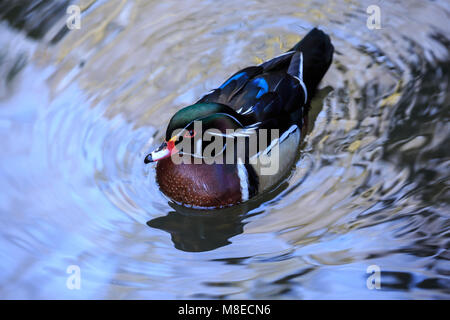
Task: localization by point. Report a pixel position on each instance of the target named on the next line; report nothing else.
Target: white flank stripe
(300, 76)
(275, 141)
(283, 54)
(243, 179)
(300, 67)
(254, 124)
(248, 111)
(288, 132)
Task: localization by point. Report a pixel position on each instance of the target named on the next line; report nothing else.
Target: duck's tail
(317, 52)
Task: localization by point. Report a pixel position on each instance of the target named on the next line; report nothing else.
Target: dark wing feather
(277, 92)
(231, 86)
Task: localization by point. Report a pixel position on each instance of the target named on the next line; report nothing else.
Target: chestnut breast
(201, 185)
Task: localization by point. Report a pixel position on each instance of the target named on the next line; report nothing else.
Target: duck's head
(196, 183)
(193, 124)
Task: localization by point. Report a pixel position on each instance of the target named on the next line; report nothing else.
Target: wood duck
(273, 95)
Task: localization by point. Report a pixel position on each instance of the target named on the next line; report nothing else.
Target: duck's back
(277, 93)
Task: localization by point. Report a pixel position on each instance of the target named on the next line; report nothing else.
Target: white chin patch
(158, 155)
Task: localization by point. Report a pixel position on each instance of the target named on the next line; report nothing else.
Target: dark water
(79, 110)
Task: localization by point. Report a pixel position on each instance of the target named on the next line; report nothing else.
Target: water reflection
(199, 233)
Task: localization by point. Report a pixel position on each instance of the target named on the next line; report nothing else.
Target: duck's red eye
(190, 134)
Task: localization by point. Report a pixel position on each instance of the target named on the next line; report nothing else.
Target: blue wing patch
(235, 77)
(262, 84)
